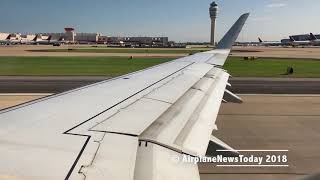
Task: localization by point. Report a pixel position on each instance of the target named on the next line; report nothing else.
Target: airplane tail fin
(260, 40)
(35, 38)
(8, 37)
(313, 37)
(291, 39)
(231, 36)
(49, 37)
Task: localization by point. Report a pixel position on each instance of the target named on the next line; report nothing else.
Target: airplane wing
(133, 127)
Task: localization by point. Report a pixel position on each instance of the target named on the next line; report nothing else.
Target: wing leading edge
(134, 127)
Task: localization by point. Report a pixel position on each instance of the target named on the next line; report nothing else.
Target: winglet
(228, 40)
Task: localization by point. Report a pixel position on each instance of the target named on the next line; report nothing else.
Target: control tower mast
(213, 15)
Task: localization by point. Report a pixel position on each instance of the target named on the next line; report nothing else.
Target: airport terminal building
(84, 38)
(135, 41)
(70, 36)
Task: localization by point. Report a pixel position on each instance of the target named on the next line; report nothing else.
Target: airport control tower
(213, 15)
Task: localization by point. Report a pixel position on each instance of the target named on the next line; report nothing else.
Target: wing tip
(231, 36)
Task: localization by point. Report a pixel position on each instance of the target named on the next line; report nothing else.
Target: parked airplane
(10, 41)
(58, 41)
(293, 42)
(13, 41)
(39, 40)
(27, 41)
(49, 41)
(269, 43)
(139, 126)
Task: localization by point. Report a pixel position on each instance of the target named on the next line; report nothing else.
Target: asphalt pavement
(275, 85)
(57, 84)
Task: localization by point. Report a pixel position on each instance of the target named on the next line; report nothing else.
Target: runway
(270, 122)
(28, 51)
(238, 51)
(275, 85)
(50, 84)
(56, 84)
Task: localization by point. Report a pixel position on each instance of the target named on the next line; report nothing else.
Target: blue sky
(180, 20)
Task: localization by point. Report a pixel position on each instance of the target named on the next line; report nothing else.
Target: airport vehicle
(314, 39)
(130, 127)
(293, 42)
(269, 43)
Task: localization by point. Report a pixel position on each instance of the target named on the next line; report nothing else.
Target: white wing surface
(129, 128)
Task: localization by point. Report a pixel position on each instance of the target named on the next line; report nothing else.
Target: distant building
(70, 36)
(147, 41)
(87, 37)
(135, 41)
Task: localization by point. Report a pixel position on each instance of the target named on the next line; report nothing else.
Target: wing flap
(139, 115)
(175, 89)
(216, 144)
(166, 129)
(188, 123)
(122, 155)
(196, 134)
(155, 162)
